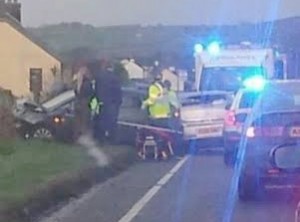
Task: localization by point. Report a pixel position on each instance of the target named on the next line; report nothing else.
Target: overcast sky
(169, 12)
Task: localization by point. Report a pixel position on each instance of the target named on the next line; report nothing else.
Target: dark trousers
(107, 123)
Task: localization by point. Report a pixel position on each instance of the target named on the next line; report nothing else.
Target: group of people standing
(98, 91)
(163, 107)
(98, 100)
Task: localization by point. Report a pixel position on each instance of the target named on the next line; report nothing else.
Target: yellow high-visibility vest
(95, 105)
(157, 105)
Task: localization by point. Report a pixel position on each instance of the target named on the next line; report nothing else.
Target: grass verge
(36, 175)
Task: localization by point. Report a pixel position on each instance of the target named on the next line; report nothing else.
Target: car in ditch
(53, 119)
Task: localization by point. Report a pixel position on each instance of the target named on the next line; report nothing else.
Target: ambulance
(226, 68)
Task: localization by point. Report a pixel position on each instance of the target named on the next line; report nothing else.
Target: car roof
(274, 83)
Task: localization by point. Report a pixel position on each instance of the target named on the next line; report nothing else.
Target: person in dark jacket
(109, 92)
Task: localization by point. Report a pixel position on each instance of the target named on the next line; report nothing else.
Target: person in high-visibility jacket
(157, 103)
(172, 96)
(174, 120)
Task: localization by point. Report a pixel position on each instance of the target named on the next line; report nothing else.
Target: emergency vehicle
(225, 68)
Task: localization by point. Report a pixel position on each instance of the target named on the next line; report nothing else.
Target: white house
(133, 69)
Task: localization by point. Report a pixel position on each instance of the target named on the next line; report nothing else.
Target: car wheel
(43, 133)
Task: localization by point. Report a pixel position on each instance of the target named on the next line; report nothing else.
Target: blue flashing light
(255, 83)
(214, 48)
(198, 48)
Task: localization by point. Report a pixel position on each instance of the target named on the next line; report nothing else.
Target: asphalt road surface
(195, 189)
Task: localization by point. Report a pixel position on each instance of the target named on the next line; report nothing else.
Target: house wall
(177, 82)
(134, 70)
(18, 55)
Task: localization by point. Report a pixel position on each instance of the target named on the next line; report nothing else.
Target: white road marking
(138, 206)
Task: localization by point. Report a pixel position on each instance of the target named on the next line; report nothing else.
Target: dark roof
(6, 17)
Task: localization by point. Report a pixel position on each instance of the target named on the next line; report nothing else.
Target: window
(248, 99)
(36, 80)
(227, 78)
(131, 101)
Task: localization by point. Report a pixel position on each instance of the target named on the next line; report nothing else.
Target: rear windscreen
(280, 98)
(278, 119)
(248, 99)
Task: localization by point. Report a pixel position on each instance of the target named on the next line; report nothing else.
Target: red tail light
(264, 131)
(230, 118)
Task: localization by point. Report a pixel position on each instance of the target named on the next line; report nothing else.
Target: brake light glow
(230, 118)
(264, 131)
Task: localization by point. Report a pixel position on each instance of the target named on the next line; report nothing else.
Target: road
(196, 191)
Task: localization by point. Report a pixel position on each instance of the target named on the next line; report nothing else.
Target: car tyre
(42, 132)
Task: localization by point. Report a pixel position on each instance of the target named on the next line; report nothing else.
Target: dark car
(236, 114)
(53, 119)
(269, 154)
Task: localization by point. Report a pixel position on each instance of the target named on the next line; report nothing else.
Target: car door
(130, 110)
(131, 113)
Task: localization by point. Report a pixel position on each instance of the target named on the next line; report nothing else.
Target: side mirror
(286, 157)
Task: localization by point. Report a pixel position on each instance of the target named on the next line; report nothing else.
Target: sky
(152, 12)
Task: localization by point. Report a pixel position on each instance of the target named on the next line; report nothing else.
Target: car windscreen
(280, 97)
(226, 78)
(214, 99)
(248, 99)
(58, 100)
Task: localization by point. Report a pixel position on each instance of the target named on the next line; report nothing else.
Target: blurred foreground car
(270, 147)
